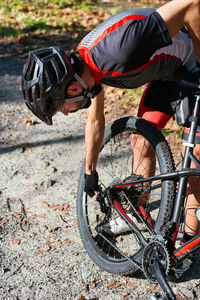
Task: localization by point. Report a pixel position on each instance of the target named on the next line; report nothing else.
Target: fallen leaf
(56, 207)
(68, 136)
(47, 247)
(66, 241)
(116, 286)
(153, 286)
(181, 295)
(16, 216)
(62, 213)
(110, 283)
(44, 204)
(38, 252)
(41, 266)
(75, 223)
(81, 298)
(58, 242)
(16, 241)
(42, 216)
(7, 112)
(130, 284)
(29, 122)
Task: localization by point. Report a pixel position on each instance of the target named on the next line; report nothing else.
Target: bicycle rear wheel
(119, 158)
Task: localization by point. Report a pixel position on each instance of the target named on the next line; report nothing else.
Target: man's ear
(74, 89)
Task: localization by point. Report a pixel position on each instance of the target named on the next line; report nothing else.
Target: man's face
(66, 108)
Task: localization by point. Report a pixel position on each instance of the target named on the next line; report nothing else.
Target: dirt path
(42, 256)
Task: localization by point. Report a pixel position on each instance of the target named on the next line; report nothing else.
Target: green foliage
(115, 9)
(8, 31)
(20, 18)
(167, 131)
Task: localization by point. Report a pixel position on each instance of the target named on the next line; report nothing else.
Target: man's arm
(179, 13)
(94, 132)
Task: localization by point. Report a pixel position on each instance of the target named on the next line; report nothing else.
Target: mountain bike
(136, 221)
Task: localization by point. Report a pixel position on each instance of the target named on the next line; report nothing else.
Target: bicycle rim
(119, 159)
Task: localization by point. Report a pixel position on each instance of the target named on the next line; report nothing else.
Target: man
(126, 51)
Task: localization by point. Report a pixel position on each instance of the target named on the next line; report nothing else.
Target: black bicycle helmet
(46, 75)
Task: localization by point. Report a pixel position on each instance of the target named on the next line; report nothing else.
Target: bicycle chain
(123, 254)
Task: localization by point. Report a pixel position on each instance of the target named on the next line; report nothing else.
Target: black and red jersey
(134, 47)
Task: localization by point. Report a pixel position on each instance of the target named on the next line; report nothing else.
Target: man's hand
(91, 183)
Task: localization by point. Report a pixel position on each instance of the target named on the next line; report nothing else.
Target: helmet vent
(52, 73)
(45, 53)
(30, 95)
(31, 76)
(37, 91)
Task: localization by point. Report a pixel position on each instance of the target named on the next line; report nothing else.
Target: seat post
(189, 145)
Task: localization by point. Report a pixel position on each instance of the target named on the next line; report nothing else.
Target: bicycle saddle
(186, 79)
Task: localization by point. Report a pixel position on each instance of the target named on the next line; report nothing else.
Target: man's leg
(143, 154)
(193, 194)
(179, 13)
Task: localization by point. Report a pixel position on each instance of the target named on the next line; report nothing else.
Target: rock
(50, 182)
(86, 274)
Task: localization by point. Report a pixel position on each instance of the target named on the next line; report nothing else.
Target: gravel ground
(42, 256)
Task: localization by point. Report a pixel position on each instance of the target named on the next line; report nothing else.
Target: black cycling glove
(91, 183)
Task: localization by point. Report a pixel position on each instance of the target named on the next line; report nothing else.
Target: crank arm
(157, 271)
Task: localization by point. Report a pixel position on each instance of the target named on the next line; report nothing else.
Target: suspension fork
(188, 156)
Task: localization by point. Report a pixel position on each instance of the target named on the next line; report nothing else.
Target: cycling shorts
(155, 106)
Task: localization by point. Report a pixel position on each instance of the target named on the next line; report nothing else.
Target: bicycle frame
(179, 175)
(171, 229)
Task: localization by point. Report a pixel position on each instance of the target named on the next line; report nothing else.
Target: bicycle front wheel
(131, 147)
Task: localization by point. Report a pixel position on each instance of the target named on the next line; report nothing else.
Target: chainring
(155, 247)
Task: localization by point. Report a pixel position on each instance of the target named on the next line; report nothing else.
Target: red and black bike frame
(181, 176)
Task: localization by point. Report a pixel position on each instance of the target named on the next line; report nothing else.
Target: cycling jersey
(134, 47)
